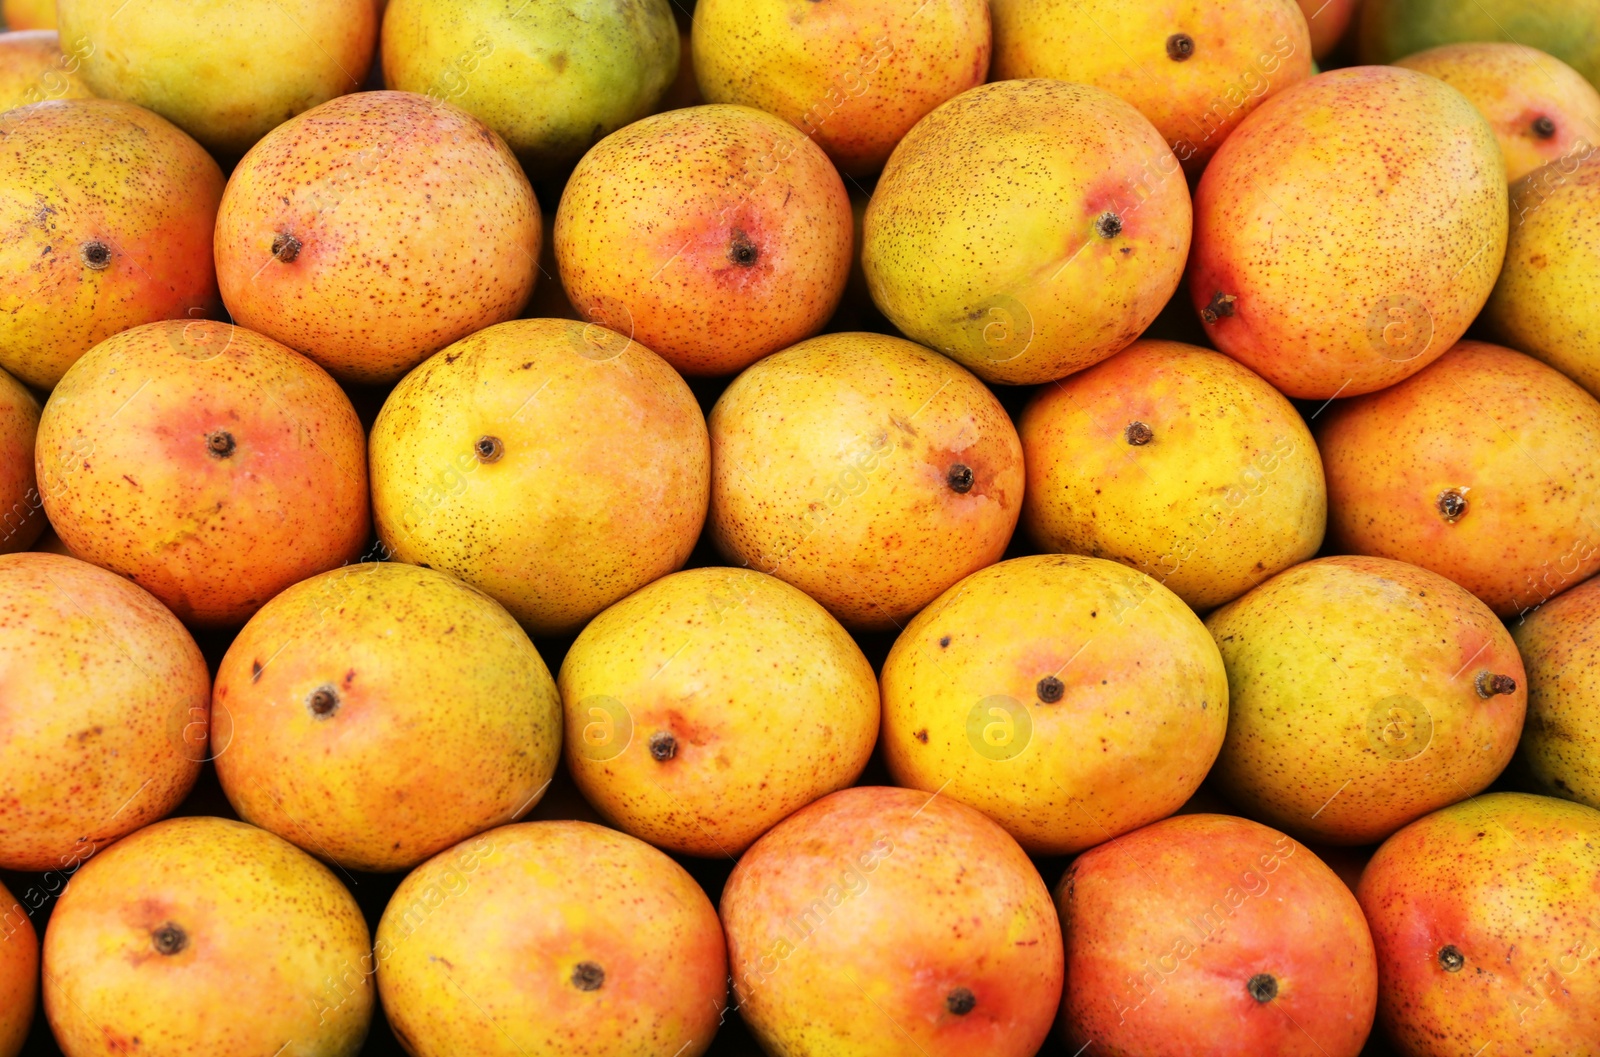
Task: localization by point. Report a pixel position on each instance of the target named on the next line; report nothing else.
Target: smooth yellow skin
(19, 973)
(270, 964)
(768, 700)
(831, 465)
(432, 680)
(1353, 699)
(1547, 300)
(225, 71)
(1241, 52)
(1141, 716)
(29, 14)
(1027, 229)
(1561, 742)
(477, 950)
(854, 76)
(21, 507)
(551, 79)
(1227, 491)
(599, 487)
(33, 69)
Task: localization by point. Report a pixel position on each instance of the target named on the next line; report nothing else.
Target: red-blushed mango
(376, 229)
(33, 69)
(207, 936)
(1212, 934)
(854, 76)
(865, 470)
(1027, 229)
(29, 14)
(1480, 467)
(1328, 21)
(709, 706)
(1195, 68)
(1362, 694)
(104, 706)
(19, 974)
(885, 922)
(1070, 699)
(209, 464)
(714, 235)
(547, 939)
(1179, 462)
(1567, 29)
(109, 211)
(1540, 108)
(1561, 740)
(21, 508)
(351, 705)
(1329, 261)
(556, 465)
(225, 71)
(1486, 917)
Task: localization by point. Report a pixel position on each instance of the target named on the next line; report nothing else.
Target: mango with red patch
(1561, 742)
(21, 506)
(19, 974)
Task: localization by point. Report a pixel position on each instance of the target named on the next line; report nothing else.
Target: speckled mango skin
(19, 974)
(1544, 302)
(104, 707)
(1227, 492)
(272, 956)
(1328, 21)
(225, 72)
(415, 224)
(852, 921)
(1513, 86)
(29, 14)
(21, 508)
(769, 701)
(600, 487)
(713, 234)
(1141, 716)
(854, 76)
(551, 79)
(1353, 702)
(981, 239)
(131, 483)
(75, 172)
(32, 69)
(1190, 910)
(1567, 29)
(1512, 882)
(1241, 52)
(1354, 262)
(432, 681)
(477, 950)
(1561, 740)
(1510, 436)
(831, 466)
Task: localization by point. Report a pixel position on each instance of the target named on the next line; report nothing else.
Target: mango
(551, 938)
(1544, 301)
(1195, 68)
(1567, 29)
(1485, 916)
(1479, 468)
(33, 69)
(209, 464)
(885, 922)
(110, 212)
(29, 14)
(1179, 462)
(1540, 108)
(19, 974)
(707, 707)
(1329, 262)
(374, 230)
(1561, 740)
(21, 507)
(865, 470)
(1363, 693)
(551, 79)
(556, 465)
(1070, 699)
(1328, 20)
(104, 708)
(1212, 934)
(714, 235)
(853, 76)
(225, 71)
(1009, 229)
(206, 936)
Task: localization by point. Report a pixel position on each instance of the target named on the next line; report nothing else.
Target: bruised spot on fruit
(959, 478)
(663, 746)
(1138, 434)
(96, 255)
(489, 449)
(1263, 987)
(169, 939)
(588, 976)
(1108, 225)
(742, 251)
(1452, 504)
(255, 671)
(960, 1001)
(922, 735)
(1220, 305)
(1050, 689)
(1543, 127)
(1451, 960)
(220, 444)
(1179, 47)
(1489, 684)
(285, 247)
(323, 702)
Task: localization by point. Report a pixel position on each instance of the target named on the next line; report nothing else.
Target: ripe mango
(1329, 262)
(1561, 741)
(21, 508)
(33, 69)
(1486, 917)
(19, 974)
(865, 470)
(1567, 29)
(1027, 229)
(29, 14)
(110, 211)
(1362, 694)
